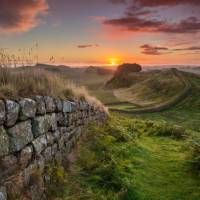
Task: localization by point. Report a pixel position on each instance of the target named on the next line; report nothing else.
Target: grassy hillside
(153, 89)
(187, 112)
(17, 83)
(129, 159)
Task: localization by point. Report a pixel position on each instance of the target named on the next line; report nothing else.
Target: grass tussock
(194, 155)
(27, 83)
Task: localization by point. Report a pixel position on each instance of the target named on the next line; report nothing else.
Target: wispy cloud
(87, 46)
(160, 50)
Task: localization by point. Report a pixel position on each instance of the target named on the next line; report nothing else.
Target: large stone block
(50, 138)
(61, 119)
(50, 105)
(56, 135)
(40, 103)
(52, 121)
(59, 105)
(61, 142)
(28, 108)
(20, 135)
(3, 193)
(12, 112)
(83, 105)
(2, 112)
(25, 156)
(40, 125)
(4, 142)
(67, 107)
(40, 144)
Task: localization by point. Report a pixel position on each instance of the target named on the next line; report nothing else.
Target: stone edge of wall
(36, 131)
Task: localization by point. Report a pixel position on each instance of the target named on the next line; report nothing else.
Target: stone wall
(35, 132)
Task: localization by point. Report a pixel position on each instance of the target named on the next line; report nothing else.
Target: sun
(113, 61)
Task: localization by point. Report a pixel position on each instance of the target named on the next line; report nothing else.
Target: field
(130, 159)
(143, 156)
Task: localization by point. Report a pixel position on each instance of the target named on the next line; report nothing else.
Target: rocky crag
(33, 133)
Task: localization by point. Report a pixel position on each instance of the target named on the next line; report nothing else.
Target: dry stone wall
(33, 133)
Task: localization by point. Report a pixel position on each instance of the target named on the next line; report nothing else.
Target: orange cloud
(87, 46)
(21, 15)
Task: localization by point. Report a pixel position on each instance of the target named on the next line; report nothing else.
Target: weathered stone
(66, 136)
(47, 154)
(12, 112)
(62, 130)
(68, 147)
(50, 105)
(52, 121)
(20, 135)
(28, 108)
(56, 135)
(2, 112)
(3, 193)
(28, 172)
(40, 144)
(40, 103)
(8, 166)
(58, 157)
(25, 156)
(41, 163)
(40, 125)
(83, 105)
(50, 138)
(73, 106)
(54, 149)
(67, 107)
(61, 120)
(61, 142)
(4, 142)
(59, 105)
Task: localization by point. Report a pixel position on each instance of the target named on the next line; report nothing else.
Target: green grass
(161, 172)
(186, 113)
(124, 106)
(105, 96)
(131, 159)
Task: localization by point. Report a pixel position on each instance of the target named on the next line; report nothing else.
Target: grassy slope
(152, 89)
(160, 171)
(122, 160)
(187, 112)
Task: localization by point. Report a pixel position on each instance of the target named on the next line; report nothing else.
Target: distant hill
(149, 88)
(128, 68)
(146, 88)
(99, 70)
(123, 76)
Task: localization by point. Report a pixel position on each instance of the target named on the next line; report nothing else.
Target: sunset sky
(100, 32)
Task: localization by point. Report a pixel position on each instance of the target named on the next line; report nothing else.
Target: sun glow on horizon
(114, 61)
